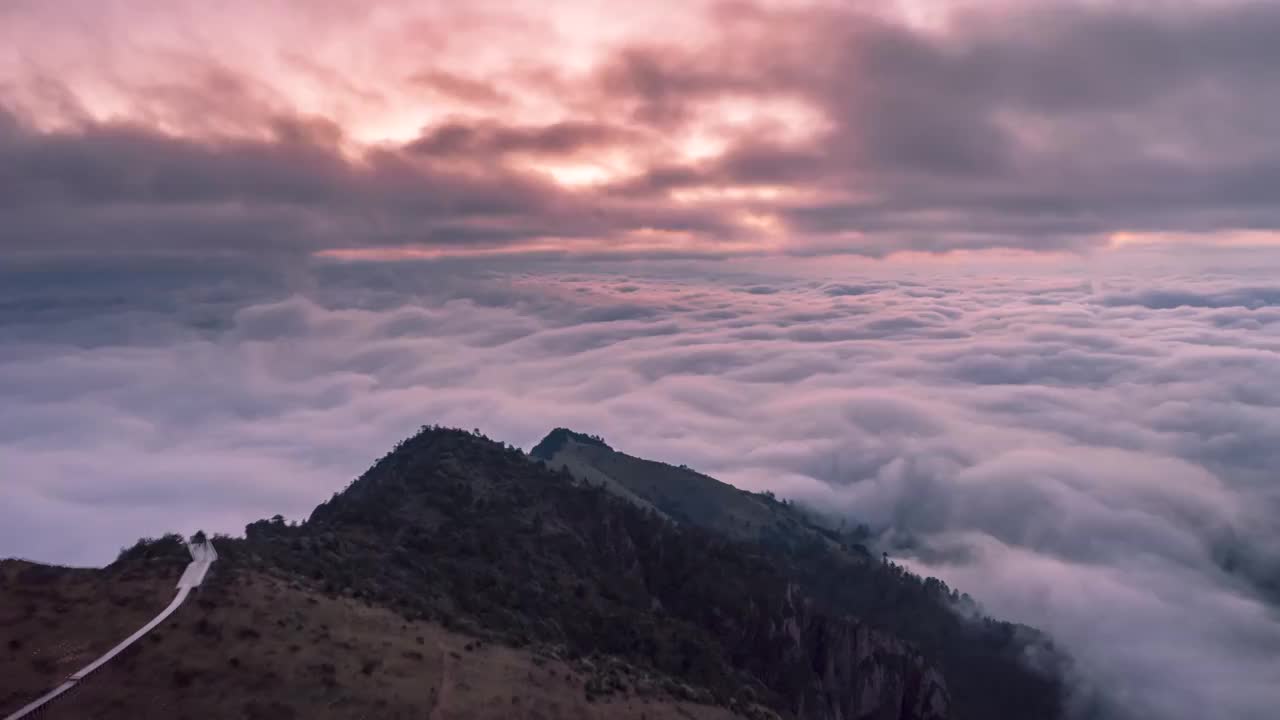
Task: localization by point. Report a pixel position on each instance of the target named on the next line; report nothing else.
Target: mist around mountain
(994, 669)
(460, 577)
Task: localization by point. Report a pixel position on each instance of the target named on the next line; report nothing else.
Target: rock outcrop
(859, 673)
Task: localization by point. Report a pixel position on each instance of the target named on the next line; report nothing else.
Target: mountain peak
(557, 438)
(661, 585)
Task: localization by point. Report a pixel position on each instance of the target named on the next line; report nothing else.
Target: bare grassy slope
(54, 621)
(253, 646)
(687, 496)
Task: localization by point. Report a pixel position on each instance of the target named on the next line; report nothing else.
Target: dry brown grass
(53, 621)
(253, 646)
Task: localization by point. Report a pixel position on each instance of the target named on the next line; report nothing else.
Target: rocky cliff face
(858, 673)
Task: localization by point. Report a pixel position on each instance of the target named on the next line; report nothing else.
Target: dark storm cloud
(1044, 126)
(458, 138)
(115, 189)
(1037, 126)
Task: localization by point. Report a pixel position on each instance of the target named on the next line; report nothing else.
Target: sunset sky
(422, 129)
(1000, 279)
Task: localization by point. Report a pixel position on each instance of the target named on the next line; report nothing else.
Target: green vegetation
(169, 548)
(988, 664)
(455, 528)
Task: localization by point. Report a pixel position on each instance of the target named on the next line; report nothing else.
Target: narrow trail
(442, 693)
(202, 556)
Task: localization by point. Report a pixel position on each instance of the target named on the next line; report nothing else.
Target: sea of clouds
(1089, 447)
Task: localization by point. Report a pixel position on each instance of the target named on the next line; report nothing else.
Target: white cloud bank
(1089, 450)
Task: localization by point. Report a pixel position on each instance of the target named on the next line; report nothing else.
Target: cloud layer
(1088, 449)
(1058, 392)
(725, 129)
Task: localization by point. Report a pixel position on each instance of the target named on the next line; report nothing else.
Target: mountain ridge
(685, 495)
(453, 531)
(1003, 669)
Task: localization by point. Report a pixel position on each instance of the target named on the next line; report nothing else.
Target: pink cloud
(752, 128)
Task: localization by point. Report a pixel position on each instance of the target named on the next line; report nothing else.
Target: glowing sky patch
(877, 128)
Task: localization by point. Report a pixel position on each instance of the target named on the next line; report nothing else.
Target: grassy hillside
(251, 645)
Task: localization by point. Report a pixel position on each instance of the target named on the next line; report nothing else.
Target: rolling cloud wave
(1082, 455)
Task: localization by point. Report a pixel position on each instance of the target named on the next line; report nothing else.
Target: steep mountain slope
(264, 647)
(994, 669)
(460, 578)
(455, 527)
